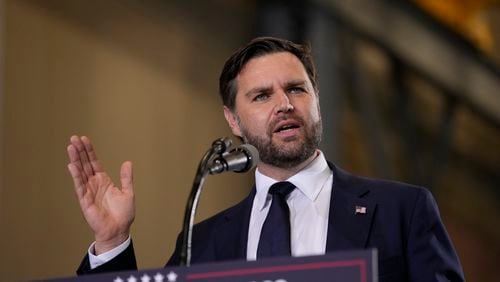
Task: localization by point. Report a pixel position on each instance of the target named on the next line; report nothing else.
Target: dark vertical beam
(442, 146)
(372, 126)
(407, 125)
(326, 37)
(285, 19)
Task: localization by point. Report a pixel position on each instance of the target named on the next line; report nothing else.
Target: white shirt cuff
(103, 258)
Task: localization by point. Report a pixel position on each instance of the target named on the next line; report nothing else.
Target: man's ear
(232, 121)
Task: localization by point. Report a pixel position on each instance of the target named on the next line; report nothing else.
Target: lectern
(348, 266)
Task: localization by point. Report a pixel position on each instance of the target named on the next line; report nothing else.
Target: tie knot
(281, 188)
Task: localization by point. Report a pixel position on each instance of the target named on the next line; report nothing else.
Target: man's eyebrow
(255, 90)
(297, 82)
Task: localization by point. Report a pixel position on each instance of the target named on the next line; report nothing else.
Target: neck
(282, 174)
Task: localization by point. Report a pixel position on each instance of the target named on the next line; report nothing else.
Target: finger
(77, 180)
(94, 161)
(84, 159)
(126, 177)
(87, 166)
(74, 158)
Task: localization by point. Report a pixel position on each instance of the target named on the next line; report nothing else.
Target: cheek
(315, 112)
(310, 111)
(255, 122)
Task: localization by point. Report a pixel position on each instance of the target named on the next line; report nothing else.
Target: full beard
(286, 155)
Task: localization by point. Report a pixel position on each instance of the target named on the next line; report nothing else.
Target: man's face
(276, 110)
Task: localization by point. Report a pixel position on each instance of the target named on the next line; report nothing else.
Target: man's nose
(283, 104)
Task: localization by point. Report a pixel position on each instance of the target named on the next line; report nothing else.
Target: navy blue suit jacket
(402, 221)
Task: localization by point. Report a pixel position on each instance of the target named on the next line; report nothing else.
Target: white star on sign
(158, 277)
(118, 279)
(172, 277)
(132, 279)
(145, 278)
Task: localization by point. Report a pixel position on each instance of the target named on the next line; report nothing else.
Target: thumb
(126, 176)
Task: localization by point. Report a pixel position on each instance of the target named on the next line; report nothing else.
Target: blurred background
(410, 91)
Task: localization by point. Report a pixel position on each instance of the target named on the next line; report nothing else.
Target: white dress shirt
(309, 207)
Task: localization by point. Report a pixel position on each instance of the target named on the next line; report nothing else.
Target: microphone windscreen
(253, 155)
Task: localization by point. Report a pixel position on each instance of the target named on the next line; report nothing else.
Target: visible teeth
(286, 127)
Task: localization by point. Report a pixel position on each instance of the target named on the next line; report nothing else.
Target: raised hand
(109, 210)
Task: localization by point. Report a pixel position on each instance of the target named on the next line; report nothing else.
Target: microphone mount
(214, 161)
(239, 159)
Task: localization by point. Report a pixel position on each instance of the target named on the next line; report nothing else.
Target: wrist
(102, 246)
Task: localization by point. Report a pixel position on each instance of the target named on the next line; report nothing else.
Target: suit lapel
(232, 232)
(348, 228)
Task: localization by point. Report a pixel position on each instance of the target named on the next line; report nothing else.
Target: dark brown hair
(256, 48)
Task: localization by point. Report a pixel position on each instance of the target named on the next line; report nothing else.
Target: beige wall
(139, 78)
(1, 95)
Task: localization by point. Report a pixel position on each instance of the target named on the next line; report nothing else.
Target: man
(270, 98)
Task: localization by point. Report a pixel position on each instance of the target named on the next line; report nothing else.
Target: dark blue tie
(275, 234)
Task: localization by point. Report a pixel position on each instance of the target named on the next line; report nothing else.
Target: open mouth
(286, 126)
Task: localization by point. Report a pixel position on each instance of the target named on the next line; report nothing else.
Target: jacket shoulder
(377, 188)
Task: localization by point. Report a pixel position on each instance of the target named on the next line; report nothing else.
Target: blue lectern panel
(352, 266)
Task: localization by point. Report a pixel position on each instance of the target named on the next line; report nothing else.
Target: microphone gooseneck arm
(219, 147)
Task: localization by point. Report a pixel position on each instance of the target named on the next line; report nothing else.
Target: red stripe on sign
(283, 268)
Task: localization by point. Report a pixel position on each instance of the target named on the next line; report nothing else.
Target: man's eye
(295, 90)
(261, 97)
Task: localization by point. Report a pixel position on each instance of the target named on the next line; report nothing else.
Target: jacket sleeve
(175, 259)
(124, 261)
(430, 253)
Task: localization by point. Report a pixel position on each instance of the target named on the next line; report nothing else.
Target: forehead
(270, 69)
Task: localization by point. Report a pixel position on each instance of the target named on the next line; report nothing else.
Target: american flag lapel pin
(360, 210)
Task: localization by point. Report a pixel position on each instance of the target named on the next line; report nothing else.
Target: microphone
(216, 160)
(240, 159)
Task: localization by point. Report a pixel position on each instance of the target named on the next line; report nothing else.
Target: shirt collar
(309, 181)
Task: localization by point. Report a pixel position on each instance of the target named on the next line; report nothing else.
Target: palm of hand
(107, 209)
